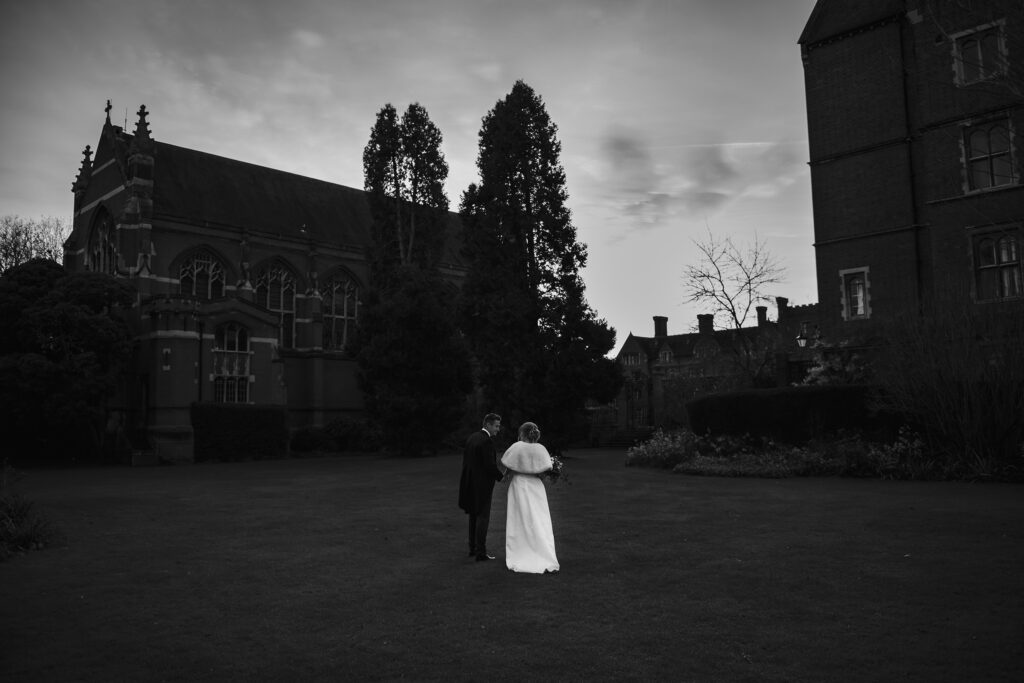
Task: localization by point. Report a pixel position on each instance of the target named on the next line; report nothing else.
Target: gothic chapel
(248, 281)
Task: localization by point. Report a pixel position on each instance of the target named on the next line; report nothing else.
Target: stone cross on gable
(107, 109)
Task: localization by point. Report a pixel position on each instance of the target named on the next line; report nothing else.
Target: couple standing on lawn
(529, 538)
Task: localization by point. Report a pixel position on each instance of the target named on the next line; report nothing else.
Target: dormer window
(665, 356)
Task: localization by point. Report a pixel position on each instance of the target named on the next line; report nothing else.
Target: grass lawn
(355, 569)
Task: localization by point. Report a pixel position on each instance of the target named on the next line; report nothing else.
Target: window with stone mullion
(998, 267)
(340, 311)
(275, 290)
(989, 156)
(231, 370)
(202, 276)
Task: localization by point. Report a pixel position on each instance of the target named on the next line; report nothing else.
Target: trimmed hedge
(790, 414)
(232, 432)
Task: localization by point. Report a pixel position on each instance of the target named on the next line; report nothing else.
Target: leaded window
(275, 291)
(997, 265)
(855, 293)
(231, 364)
(202, 276)
(340, 306)
(979, 55)
(989, 155)
(102, 251)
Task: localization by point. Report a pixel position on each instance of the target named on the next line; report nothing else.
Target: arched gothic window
(102, 251)
(202, 276)
(340, 310)
(231, 364)
(275, 291)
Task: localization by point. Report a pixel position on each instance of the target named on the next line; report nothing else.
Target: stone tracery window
(340, 310)
(275, 291)
(202, 276)
(102, 250)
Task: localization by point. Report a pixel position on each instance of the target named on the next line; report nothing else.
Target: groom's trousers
(478, 523)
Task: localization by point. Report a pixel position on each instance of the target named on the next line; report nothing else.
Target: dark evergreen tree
(540, 349)
(64, 350)
(405, 172)
(414, 363)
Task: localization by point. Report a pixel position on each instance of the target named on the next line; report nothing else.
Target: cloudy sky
(676, 116)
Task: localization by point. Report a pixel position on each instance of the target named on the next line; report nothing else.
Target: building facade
(665, 371)
(915, 111)
(248, 282)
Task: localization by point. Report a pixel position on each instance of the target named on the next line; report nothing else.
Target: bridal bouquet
(557, 472)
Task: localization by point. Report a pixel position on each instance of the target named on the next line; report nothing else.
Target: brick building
(665, 371)
(248, 281)
(914, 110)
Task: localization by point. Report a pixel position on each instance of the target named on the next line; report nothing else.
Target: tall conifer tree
(414, 364)
(539, 347)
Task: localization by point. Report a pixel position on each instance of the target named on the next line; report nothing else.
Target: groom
(479, 472)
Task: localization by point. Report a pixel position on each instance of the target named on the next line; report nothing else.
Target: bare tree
(22, 239)
(729, 282)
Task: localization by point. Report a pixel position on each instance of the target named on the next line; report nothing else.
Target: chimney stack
(706, 323)
(762, 315)
(660, 326)
(782, 303)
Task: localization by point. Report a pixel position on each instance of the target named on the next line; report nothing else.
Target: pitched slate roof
(830, 18)
(683, 345)
(201, 188)
(204, 187)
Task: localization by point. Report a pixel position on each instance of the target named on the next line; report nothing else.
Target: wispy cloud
(643, 186)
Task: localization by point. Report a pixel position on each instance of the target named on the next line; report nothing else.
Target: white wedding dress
(529, 538)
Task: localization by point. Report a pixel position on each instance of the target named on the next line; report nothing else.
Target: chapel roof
(206, 189)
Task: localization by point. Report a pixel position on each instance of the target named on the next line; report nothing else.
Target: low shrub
(846, 454)
(907, 458)
(21, 529)
(770, 460)
(662, 449)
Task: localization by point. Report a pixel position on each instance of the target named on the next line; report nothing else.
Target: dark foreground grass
(354, 569)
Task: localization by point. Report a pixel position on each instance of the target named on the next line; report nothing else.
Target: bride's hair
(529, 432)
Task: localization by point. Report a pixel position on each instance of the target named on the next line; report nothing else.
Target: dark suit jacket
(479, 472)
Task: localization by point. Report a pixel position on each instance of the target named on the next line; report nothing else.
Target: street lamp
(801, 338)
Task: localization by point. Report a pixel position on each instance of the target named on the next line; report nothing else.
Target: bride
(529, 539)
